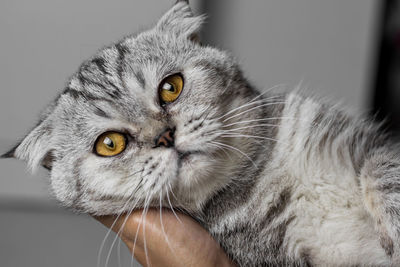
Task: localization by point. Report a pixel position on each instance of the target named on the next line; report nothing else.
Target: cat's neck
(254, 159)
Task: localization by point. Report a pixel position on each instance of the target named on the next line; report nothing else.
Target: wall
(328, 46)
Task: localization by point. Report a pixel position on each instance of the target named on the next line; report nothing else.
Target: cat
(277, 178)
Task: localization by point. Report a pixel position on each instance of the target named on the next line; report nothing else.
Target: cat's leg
(380, 188)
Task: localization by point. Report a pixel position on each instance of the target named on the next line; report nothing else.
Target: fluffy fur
(277, 179)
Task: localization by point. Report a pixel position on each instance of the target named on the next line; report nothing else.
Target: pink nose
(165, 139)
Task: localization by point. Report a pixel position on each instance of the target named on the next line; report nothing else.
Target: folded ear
(180, 21)
(35, 148)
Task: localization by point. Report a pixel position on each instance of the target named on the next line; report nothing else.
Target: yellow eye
(170, 88)
(110, 144)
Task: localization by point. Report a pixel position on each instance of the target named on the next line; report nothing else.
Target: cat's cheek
(98, 179)
(63, 186)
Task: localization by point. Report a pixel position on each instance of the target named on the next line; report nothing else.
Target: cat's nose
(166, 138)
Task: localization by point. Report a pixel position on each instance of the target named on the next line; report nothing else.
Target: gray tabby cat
(277, 179)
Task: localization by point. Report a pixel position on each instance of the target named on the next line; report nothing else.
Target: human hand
(167, 242)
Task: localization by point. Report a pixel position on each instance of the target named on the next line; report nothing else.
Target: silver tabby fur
(277, 179)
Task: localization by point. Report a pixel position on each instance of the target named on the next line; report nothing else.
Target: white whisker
(223, 150)
(236, 149)
(268, 90)
(247, 127)
(241, 106)
(252, 136)
(137, 231)
(121, 229)
(162, 226)
(252, 101)
(267, 119)
(244, 122)
(146, 253)
(173, 211)
(110, 229)
(253, 108)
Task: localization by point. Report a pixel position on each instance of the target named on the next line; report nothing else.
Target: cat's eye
(110, 144)
(170, 88)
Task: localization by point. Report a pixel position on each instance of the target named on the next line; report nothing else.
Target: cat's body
(277, 179)
(305, 206)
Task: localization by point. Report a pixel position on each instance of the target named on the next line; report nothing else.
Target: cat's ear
(35, 148)
(180, 21)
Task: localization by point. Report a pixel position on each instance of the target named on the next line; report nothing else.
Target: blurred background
(347, 50)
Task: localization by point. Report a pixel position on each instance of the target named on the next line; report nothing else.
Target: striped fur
(277, 178)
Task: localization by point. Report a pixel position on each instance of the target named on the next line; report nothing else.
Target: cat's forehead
(148, 56)
(123, 78)
(150, 47)
(121, 81)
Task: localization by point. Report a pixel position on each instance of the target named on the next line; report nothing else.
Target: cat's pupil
(168, 87)
(108, 142)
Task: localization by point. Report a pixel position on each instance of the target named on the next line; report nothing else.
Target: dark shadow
(386, 100)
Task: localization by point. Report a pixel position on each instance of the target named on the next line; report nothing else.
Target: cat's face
(140, 122)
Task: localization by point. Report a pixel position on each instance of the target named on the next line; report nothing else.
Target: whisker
(146, 253)
(109, 231)
(116, 236)
(247, 127)
(162, 226)
(137, 230)
(179, 203)
(223, 150)
(236, 149)
(141, 219)
(105, 239)
(173, 211)
(170, 189)
(250, 103)
(253, 108)
(207, 112)
(122, 226)
(268, 90)
(270, 118)
(131, 174)
(247, 121)
(253, 136)
(239, 107)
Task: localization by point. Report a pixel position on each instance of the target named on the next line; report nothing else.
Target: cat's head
(142, 122)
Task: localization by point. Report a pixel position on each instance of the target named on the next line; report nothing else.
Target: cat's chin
(196, 181)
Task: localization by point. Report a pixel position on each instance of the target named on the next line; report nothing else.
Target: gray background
(326, 44)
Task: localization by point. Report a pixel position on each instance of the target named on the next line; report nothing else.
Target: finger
(169, 242)
(173, 242)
